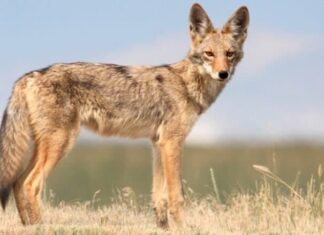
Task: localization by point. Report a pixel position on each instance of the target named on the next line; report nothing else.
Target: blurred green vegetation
(92, 167)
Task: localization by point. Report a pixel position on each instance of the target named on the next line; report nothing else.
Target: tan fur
(162, 103)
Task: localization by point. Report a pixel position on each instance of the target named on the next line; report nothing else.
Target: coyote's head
(216, 52)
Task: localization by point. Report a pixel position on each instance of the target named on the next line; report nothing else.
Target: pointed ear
(238, 23)
(200, 24)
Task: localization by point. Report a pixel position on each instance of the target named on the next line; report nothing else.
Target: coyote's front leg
(159, 190)
(170, 151)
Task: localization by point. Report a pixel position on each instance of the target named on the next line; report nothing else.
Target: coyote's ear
(238, 23)
(200, 24)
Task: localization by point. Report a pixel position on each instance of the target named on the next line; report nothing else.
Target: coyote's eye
(230, 54)
(209, 53)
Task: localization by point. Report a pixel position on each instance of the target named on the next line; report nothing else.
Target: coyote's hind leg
(48, 151)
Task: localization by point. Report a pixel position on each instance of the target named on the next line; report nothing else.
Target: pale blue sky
(277, 92)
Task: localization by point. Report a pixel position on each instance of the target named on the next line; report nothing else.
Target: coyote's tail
(14, 140)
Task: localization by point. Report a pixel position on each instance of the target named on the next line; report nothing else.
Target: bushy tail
(14, 140)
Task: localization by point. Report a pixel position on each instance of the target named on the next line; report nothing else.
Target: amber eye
(209, 53)
(230, 54)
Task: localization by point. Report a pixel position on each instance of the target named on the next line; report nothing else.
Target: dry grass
(275, 208)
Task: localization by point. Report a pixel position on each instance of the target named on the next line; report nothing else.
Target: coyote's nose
(223, 74)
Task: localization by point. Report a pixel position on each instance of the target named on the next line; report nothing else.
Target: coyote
(48, 106)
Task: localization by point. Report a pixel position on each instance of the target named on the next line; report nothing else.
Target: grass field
(107, 167)
(274, 208)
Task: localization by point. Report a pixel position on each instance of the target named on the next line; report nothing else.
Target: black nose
(223, 74)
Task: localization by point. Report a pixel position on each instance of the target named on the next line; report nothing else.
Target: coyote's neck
(202, 89)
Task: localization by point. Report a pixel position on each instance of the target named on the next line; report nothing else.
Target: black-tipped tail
(4, 196)
(14, 142)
